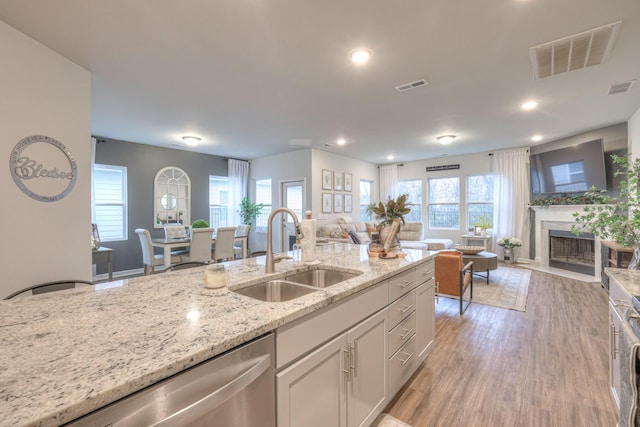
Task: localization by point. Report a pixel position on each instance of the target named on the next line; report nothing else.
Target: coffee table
(483, 261)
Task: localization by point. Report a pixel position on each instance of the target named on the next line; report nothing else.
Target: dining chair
(149, 258)
(175, 232)
(44, 288)
(224, 244)
(241, 231)
(200, 248)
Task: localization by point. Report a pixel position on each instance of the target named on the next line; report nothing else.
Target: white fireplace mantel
(559, 217)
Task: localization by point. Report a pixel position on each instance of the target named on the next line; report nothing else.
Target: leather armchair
(453, 278)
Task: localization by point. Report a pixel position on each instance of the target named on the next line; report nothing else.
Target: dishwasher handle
(197, 409)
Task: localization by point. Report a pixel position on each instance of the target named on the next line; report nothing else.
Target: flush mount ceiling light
(341, 141)
(536, 138)
(360, 55)
(529, 105)
(390, 157)
(446, 139)
(191, 140)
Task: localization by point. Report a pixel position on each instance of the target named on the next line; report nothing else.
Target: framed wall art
(326, 179)
(337, 203)
(337, 181)
(347, 202)
(326, 202)
(347, 181)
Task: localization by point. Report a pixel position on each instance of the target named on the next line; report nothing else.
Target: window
(110, 195)
(365, 199)
(218, 201)
(444, 203)
(413, 188)
(479, 198)
(263, 195)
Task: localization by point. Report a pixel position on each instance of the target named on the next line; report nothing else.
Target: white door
(293, 197)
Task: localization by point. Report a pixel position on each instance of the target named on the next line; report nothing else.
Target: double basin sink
(295, 285)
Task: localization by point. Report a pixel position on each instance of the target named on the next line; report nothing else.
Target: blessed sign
(43, 168)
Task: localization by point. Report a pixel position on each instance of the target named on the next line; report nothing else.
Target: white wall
(334, 162)
(43, 93)
(472, 164)
(633, 130)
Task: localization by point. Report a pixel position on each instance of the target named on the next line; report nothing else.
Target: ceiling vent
(621, 87)
(412, 85)
(574, 52)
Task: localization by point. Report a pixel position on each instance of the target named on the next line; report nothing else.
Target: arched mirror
(172, 201)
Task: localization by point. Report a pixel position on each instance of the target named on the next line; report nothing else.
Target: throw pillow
(348, 227)
(345, 220)
(354, 238)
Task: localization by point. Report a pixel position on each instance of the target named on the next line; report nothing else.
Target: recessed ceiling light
(536, 138)
(360, 55)
(341, 141)
(529, 105)
(390, 157)
(446, 139)
(191, 140)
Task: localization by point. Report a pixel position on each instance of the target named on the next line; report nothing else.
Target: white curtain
(388, 182)
(93, 196)
(238, 184)
(511, 168)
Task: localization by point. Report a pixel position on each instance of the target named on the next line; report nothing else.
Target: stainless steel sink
(321, 278)
(275, 291)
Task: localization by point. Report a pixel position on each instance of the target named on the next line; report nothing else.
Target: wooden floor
(496, 367)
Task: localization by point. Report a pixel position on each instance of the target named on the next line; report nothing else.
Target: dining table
(169, 244)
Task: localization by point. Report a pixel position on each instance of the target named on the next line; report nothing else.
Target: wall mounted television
(569, 170)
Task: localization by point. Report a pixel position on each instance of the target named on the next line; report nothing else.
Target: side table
(103, 255)
(471, 240)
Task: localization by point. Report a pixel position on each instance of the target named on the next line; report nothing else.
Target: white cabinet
(425, 310)
(343, 383)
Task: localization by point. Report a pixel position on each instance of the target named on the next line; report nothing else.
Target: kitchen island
(66, 354)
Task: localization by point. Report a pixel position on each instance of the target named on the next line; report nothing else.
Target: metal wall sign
(442, 167)
(43, 168)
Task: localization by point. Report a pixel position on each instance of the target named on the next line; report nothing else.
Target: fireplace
(570, 252)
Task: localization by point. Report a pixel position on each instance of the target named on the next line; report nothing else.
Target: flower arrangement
(391, 210)
(510, 242)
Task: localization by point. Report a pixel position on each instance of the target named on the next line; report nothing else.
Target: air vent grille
(574, 52)
(621, 87)
(412, 85)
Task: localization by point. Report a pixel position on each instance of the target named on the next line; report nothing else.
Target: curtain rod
(399, 164)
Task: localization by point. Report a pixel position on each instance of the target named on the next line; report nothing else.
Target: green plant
(249, 211)
(615, 218)
(392, 209)
(484, 222)
(199, 223)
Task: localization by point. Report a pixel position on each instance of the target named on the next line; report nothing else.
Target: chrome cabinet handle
(408, 333)
(353, 350)
(612, 331)
(345, 369)
(404, 362)
(406, 284)
(621, 303)
(406, 308)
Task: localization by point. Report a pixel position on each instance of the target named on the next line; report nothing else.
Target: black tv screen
(569, 170)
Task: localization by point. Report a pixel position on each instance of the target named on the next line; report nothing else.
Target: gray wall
(143, 162)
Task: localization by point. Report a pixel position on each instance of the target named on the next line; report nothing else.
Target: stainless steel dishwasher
(236, 388)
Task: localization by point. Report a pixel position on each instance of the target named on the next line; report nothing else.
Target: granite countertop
(628, 279)
(68, 353)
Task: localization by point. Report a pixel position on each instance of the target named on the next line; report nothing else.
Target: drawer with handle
(402, 333)
(401, 366)
(402, 283)
(425, 271)
(402, 308)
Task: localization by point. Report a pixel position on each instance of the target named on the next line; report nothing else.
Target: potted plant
(392, 214)
(509, 245)
(249, 211)
(483, 223)
(199, 223)
(615, 218)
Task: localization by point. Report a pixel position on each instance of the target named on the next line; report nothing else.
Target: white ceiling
(248, 76)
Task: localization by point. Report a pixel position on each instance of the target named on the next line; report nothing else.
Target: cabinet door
(614, 360)
(367, 388)
(425, 319)
(312, 392)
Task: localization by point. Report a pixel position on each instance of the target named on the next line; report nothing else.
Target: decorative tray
(470, 250)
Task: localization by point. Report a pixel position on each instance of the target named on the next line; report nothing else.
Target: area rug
(386, 420)
(508, 288)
